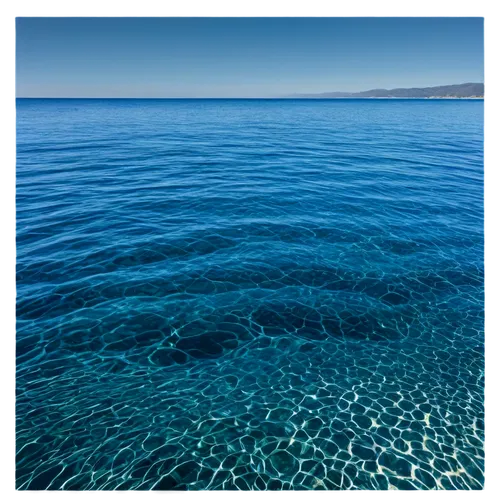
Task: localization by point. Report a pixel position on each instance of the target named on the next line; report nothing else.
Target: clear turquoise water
(250, 294)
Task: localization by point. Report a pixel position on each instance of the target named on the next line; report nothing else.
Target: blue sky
(241, 57)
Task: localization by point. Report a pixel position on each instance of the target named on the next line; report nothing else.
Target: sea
(249, 294)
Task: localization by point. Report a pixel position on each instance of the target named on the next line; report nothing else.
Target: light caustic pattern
(250, 295)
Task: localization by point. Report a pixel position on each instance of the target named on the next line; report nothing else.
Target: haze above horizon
(242, 57)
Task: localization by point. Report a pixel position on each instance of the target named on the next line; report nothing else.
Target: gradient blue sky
(241, 57)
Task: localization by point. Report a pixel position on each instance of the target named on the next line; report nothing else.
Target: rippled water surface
(250, 294)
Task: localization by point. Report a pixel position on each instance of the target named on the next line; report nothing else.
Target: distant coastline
(480, 98)
(457, 91)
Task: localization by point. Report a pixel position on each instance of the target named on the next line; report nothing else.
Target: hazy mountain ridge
(460, 90)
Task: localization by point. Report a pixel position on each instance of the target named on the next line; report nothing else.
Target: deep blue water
(251, 294)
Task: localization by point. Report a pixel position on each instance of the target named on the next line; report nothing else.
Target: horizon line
(296, 95)
(297, 98)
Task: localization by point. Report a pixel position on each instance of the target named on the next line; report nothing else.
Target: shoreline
(392, 97)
